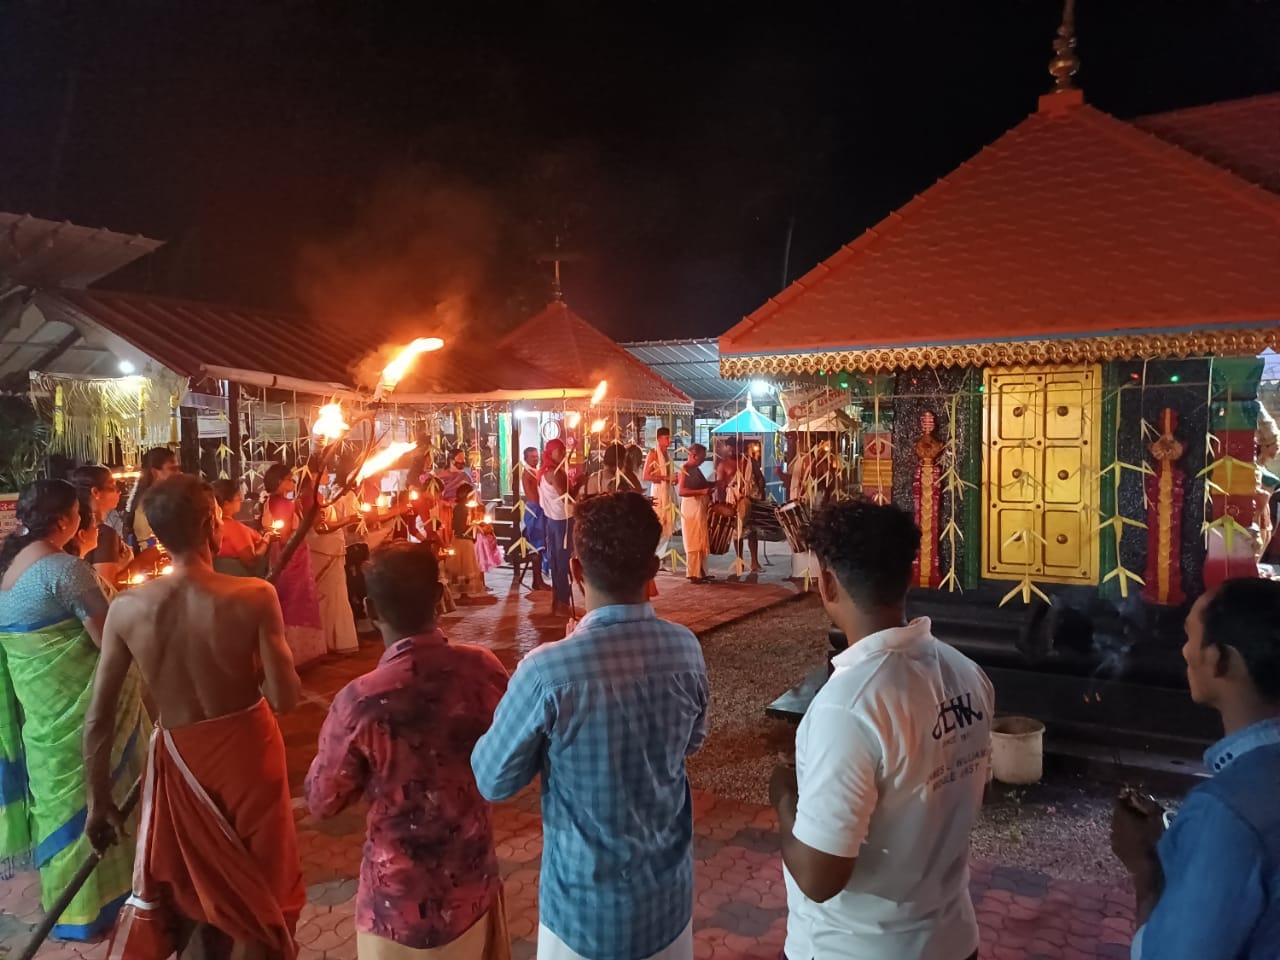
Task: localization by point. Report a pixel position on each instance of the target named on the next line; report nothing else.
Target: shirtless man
(659, 475)
(209, 647)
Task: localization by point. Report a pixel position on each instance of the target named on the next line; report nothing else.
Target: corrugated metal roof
(693, 366)
(187, 336)
(44, 253)
(561, 341)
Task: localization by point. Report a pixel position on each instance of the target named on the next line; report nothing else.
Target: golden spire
(1065, 63)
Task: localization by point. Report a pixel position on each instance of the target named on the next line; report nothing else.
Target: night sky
(371, 160)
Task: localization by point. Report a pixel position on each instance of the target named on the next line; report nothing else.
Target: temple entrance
(1040, 473)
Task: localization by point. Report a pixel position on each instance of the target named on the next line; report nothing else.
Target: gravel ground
(1059, 827)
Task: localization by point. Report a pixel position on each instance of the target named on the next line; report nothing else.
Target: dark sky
(381, 157)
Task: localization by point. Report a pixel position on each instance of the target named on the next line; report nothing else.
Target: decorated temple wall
(1142, 398)
(1134, 396)
(937, 392)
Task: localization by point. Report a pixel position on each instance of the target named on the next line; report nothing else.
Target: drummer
(739, 482)
(695, 493)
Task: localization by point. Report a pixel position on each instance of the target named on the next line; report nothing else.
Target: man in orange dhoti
(217, 862)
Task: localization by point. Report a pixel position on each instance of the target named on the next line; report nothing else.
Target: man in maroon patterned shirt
(401, 736)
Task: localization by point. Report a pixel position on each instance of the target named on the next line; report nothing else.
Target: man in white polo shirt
(891, 763)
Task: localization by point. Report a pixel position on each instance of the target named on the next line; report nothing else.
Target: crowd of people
(874, 815)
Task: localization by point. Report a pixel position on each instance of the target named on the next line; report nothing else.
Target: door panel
(1041, 473)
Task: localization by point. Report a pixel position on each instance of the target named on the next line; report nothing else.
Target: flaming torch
(599, 425)
(575, 418)
(384, 458)
(394, 371)
(330, 424)
(601, 390)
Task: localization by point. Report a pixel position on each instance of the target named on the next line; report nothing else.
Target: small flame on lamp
(330, 423)
(384, 458)
(384, 500)
(366, 507)
(598, 425)
(450, 552)
(472, 503)
(413, 494)
(138, 578)
(277, 524)
(126, 475)
(601, 390)
(394, 371)
(575, 418)
(166, 569)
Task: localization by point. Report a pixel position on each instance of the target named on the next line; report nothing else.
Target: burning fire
(138, 578)
(166, 569)
(330, 423)
(277, 525)
(413, 494)
(384, 458)
(601, 390)
(384, 500)
(575, 418)
(598, 425)
(472, 503)
(366, 507)
(394, 371)
(126, 475)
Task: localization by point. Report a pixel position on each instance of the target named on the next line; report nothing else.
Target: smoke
(422, 258)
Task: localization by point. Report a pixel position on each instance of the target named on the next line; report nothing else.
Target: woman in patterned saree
(51, 614)
(296, 585)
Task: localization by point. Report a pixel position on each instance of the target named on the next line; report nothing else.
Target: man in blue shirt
(607, 717)
(1208, 888)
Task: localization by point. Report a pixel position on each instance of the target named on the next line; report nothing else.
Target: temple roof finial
(1065, 63)
(557, 292)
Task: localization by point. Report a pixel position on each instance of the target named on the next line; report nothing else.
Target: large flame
(394, 371)
(330, 424)
(384, 458)
(601, 390)
(598, 425)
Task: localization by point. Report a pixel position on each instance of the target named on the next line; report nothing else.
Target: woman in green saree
(51, 615)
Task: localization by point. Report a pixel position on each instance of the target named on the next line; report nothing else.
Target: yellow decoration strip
(1134, 346)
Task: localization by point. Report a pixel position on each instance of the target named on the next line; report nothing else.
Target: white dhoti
(693, 524)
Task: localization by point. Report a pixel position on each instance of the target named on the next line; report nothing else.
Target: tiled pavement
(740, 904)
(739, 908)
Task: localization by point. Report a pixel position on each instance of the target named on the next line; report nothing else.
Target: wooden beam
(18, 379)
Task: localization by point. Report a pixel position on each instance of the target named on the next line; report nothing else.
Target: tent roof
(747, 420)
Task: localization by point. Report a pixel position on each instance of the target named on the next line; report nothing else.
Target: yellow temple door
(1040, 473)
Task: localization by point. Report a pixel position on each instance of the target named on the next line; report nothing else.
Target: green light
(844, 384)
(982, 389)
(1175, 378)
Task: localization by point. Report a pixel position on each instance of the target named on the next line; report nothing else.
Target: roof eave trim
(1217, 342)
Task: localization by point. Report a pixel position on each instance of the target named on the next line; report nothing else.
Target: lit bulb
(126, 367)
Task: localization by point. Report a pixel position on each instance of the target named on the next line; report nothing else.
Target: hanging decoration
(926, 491)
(1164, 490)
(1231, 474)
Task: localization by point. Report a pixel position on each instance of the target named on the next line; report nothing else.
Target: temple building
(1054, 353)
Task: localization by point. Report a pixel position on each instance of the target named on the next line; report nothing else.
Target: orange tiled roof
(1073, 236)
(558, 340)
(1241, 135)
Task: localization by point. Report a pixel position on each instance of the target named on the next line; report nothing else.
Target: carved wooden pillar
(927, 491)
(1164, 517)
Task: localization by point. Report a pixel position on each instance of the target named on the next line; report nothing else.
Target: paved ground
(740, 904)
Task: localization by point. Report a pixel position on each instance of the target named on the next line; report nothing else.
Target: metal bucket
(1017, 750)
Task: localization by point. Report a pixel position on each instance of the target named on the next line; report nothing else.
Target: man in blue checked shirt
(607, 717)
(1208, 888)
